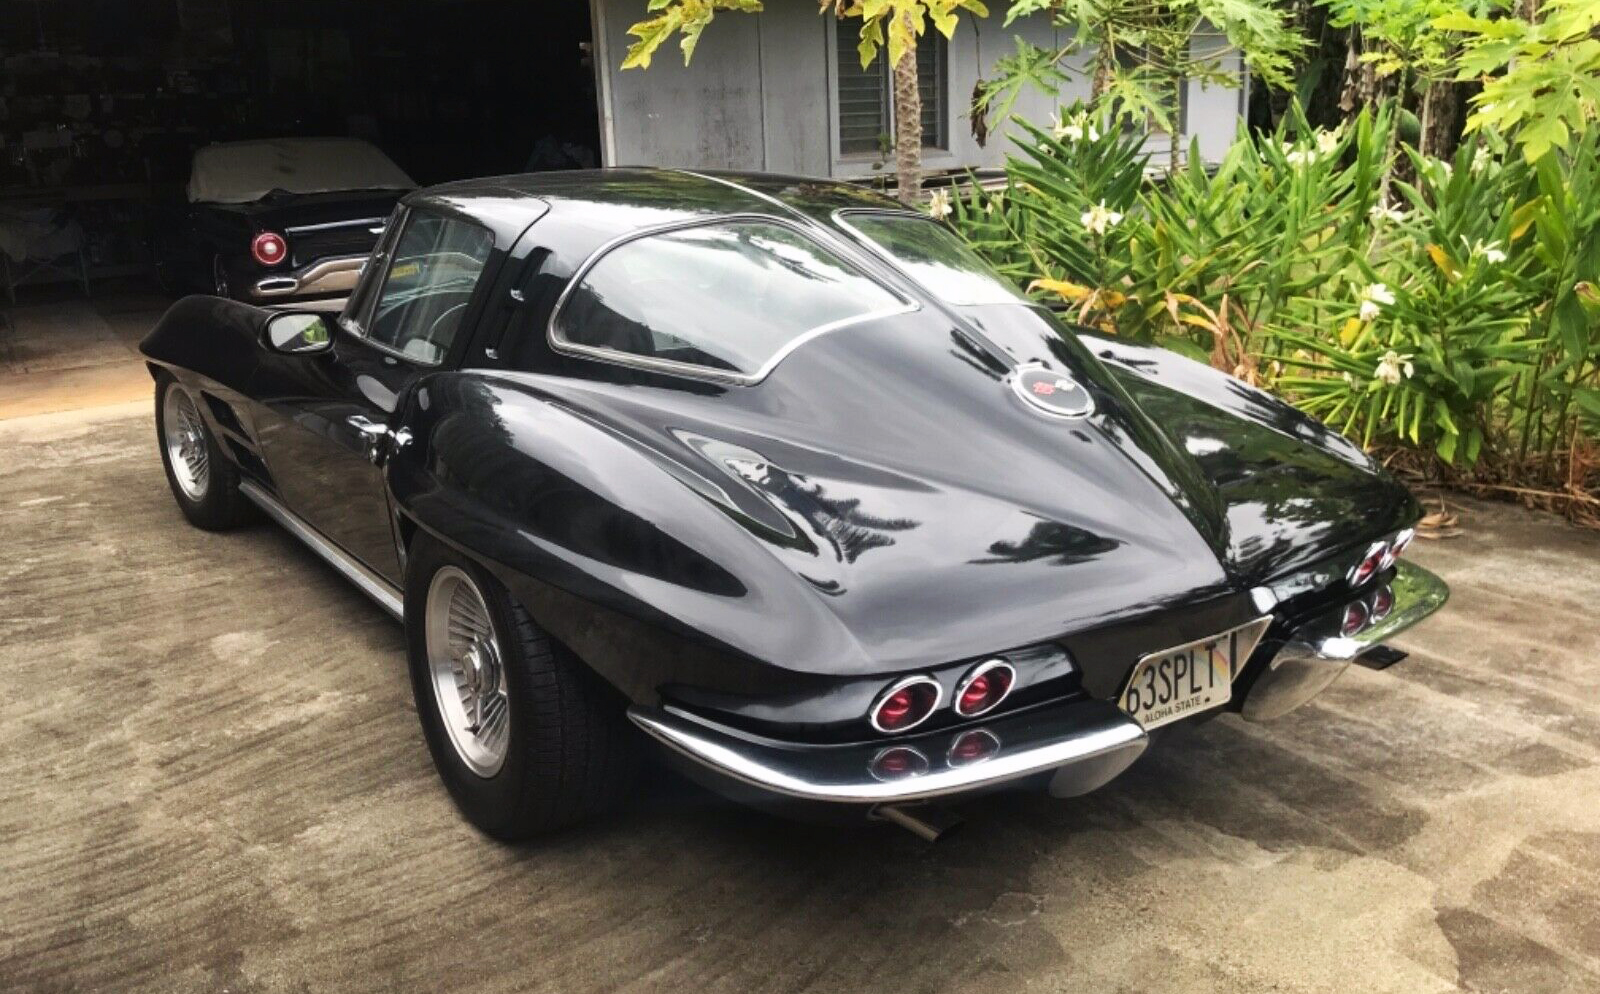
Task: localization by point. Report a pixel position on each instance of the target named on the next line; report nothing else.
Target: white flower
(1075, 129)
(1373, 299)
(1491, 251)
(1482, 159)
(1350, 380)
(1297, 156)
(1099, 218)
(1327, 141)
(1393, 366)
(1386, 212)
(939, 204)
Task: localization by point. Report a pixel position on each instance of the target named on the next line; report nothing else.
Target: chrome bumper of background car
(1087, 743)
(320, 278)
(1317, 653)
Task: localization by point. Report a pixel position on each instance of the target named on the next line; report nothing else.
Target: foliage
(1141, 51)
(898, 22)
(1462, 320)
(1541, 78)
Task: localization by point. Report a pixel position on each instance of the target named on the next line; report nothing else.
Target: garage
(103, 104)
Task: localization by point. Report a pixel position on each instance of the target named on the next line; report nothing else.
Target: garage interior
(102, 103)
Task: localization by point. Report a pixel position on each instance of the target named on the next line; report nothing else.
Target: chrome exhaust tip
(928, 822)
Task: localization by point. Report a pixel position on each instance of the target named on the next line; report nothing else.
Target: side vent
(248, 461)
(223, 412)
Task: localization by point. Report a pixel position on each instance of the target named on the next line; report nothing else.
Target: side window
(727, 296)
(434, 266)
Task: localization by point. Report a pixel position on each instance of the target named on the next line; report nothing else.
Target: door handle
(376, 433)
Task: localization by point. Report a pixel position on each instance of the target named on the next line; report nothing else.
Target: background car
(782, 474)
(286, 219)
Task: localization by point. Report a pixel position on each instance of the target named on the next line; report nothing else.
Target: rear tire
(525, 737)
(204, 481)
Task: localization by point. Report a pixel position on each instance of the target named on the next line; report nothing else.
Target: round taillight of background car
(905, 704)
(269, 248)
(984, 688)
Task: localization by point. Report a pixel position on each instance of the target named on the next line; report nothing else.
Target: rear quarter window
(726, 298)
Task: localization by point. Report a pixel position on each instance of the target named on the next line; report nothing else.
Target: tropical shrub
(1456, 319)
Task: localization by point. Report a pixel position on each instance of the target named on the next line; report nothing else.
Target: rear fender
(646, 580)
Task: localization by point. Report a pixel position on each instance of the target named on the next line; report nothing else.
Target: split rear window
(729, 298)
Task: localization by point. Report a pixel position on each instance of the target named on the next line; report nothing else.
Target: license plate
(1176, 683)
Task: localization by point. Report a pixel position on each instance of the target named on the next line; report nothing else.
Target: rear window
(728, 297)
(932, 255)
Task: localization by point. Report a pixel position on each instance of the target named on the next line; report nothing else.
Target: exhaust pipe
(926, 821)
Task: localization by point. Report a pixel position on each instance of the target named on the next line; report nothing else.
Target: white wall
(759, 95)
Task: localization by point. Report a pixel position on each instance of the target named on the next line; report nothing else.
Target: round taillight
(269, 248)
(898, 762)
(1355, 619)
(1382, 603)
(1369, 565)
(906, 704)
(973, 746)
(984, 688)
(1398, 546)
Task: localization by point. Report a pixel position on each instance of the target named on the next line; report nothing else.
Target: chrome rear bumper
(1086, 743)
(1318, 652)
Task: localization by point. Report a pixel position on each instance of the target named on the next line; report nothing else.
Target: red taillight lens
(1398, 546)
(1370, 564)
(1382, 603)
(973, 746)
(897, 762)
(269, 248)
(984, 688)
(1355, 619)
(905, 704)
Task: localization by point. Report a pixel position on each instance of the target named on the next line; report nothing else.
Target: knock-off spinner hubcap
(464, 661)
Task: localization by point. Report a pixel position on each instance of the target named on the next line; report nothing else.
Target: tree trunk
(1443, 126)
(907, 125)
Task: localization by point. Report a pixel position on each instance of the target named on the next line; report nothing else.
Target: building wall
(759, 95)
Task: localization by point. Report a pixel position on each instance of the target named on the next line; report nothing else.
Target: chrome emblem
(1050, 392)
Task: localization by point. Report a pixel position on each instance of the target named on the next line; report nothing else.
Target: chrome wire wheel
(185, 436)
(468, 673)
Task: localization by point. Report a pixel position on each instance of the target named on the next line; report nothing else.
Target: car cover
(243, 172)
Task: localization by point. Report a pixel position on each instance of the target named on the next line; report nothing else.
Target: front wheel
(203, 481)
(525, 737)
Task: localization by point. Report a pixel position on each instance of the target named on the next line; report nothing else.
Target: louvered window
(866, 124)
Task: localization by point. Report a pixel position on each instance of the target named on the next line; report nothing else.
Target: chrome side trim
(330, 225)
(374, 586)
(334, 275)
(1088, 732)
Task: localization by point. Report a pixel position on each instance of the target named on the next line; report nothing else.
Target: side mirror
(298, 333)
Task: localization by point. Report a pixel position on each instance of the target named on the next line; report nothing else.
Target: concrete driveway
(211, 779)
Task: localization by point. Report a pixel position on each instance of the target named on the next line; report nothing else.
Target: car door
(326, 429)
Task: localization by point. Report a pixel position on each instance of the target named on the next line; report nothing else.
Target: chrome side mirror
(298, 333)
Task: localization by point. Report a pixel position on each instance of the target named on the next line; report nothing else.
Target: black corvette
(779, 473)
(278, 221)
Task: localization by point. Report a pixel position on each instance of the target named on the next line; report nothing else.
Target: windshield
(932, 255)
(244, 172)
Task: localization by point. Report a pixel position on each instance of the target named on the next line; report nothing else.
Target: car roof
(607, 203)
